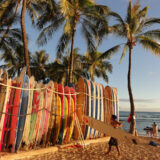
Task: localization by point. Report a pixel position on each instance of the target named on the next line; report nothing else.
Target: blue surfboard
(92, 107)
(22, 112)
(96, 108)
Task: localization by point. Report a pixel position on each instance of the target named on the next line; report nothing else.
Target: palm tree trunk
(25, 37)
(132, 112)
(71, 54)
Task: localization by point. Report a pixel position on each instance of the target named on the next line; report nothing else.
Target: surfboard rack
(81, 138)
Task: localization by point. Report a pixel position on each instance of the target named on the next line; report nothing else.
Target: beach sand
(94, 150)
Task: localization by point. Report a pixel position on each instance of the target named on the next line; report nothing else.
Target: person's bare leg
(109, 150)
(118, 150)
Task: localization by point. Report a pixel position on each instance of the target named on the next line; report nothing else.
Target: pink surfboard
(49, 93)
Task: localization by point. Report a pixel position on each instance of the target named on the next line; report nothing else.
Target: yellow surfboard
(57, 124)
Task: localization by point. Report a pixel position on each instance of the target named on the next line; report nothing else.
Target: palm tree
(38, 65)
(25, 43)
(14, 61)
(30, 5)
(70, 15)
(135, 29)
(59, 70)
(96, 66)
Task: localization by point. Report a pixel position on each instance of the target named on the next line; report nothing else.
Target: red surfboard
(8, 118)
(108, 103)
(15, 111)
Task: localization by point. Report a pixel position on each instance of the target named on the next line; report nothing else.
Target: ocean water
(143, 119)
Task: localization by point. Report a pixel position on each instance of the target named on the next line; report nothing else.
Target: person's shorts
(113, 142)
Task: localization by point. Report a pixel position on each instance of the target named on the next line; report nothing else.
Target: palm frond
(107, 66)
(49, 31)
(32, 12)
(143, 12)
(90, 25)
(151, 21)
(105, 77)
(102, 10)
(110, 52)
(117, 16)
(150, 44)
(118, 30)
(68, 26)
(7, 11)
(89, 38)
(123, 52)
(129, 12)
(62, 44)
(86, 3)
(154, 34)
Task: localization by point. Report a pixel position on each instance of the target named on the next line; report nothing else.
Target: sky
(145, 78)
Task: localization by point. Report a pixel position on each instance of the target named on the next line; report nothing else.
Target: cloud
(150, 73)
(140, 100)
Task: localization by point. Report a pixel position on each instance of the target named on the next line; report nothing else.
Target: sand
(94, 149)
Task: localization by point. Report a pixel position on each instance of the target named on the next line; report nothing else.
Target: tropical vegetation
(69, 15)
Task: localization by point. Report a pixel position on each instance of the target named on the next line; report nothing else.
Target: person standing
(155, 129)
(113, 142)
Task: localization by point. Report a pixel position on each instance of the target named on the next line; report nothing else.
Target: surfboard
(92, 107)
(35, 108)
(57, 123)
(113, 102)
(117, 100)
(52, 116)
(65, 116)
(115, 93)
(73, 112)
(102, 106)
(96, 108)
(29, 109)
(61, 94)
(15, 111)
(48, 101)
(88, 107)
(3, 91)
(37, 119)
(107, 116)
(67, 94)
(108, 92)
(22, 112)
(81, 103)
(99, 106)
(7, 128)
(40, 118)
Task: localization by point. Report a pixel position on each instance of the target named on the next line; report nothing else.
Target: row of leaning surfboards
(34, 114)
(97, 102)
